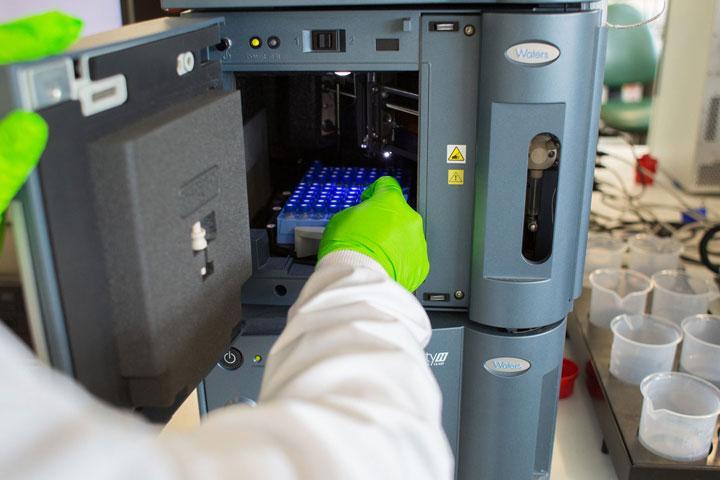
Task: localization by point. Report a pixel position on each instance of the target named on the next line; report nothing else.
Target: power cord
(703, 248)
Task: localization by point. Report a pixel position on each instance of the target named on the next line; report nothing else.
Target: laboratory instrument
(684, 130)
(152, 222)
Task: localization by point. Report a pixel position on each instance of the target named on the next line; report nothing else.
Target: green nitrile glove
(386, 229)
(23, 135)
(36, 37)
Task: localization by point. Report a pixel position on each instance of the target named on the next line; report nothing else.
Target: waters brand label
(507, 366)
(533, 53)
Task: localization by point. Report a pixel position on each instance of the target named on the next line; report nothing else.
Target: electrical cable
(703, 248)
(672, 189)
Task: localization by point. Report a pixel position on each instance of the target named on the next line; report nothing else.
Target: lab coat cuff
(349, 258)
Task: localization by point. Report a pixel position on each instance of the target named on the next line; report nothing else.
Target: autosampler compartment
(314, 141)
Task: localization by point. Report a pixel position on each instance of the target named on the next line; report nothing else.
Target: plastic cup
(650, 254)
(616, 291)
(678, 295)
(679, 414)
(701, 348)
(642, 345)
(570, 372)
(603, 251)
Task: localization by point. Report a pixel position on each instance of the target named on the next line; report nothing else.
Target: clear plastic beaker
(678, 417)
(603, 251)
(642, 344)
(678, 295)
(650, 254)
(616, 291)
(701, 348)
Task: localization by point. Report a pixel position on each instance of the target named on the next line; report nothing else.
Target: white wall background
(99, 15)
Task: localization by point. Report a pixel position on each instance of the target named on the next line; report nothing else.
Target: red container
(567, 380)
(645, 170)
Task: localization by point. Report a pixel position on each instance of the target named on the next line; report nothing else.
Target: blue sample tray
(326, 190)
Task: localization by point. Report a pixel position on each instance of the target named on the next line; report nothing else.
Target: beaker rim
(659, 376)
(635, 242)
(680, 274)
(618, 244)
(616, 321)
(702, 317)
(633, 273)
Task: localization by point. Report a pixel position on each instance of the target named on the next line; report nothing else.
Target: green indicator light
(257, 358)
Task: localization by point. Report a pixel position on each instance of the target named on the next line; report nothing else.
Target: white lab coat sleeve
(347, 394)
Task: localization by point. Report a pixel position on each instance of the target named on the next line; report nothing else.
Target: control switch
(328, 40)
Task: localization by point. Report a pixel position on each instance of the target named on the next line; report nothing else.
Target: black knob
(273, 42)
(224, 44)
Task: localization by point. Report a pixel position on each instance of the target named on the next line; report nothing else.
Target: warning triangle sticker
(456, 177)
(456, 155)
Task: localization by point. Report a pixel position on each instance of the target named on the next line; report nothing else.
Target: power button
(232, 359)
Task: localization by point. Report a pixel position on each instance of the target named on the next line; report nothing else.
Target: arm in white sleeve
(346, 395)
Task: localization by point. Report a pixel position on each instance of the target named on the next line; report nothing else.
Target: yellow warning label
(456, 156)
(456, 153)
(456, 177)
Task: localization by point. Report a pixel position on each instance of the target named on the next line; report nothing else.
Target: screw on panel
(469, 30)
(459, 294)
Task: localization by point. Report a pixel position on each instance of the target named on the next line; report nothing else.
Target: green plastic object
(39, 36)
(631, 58)
(633, 117)
(23, 136)
(386, 229)
(631, 53)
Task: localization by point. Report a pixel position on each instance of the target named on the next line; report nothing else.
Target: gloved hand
(385, 228)
(23, 135)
